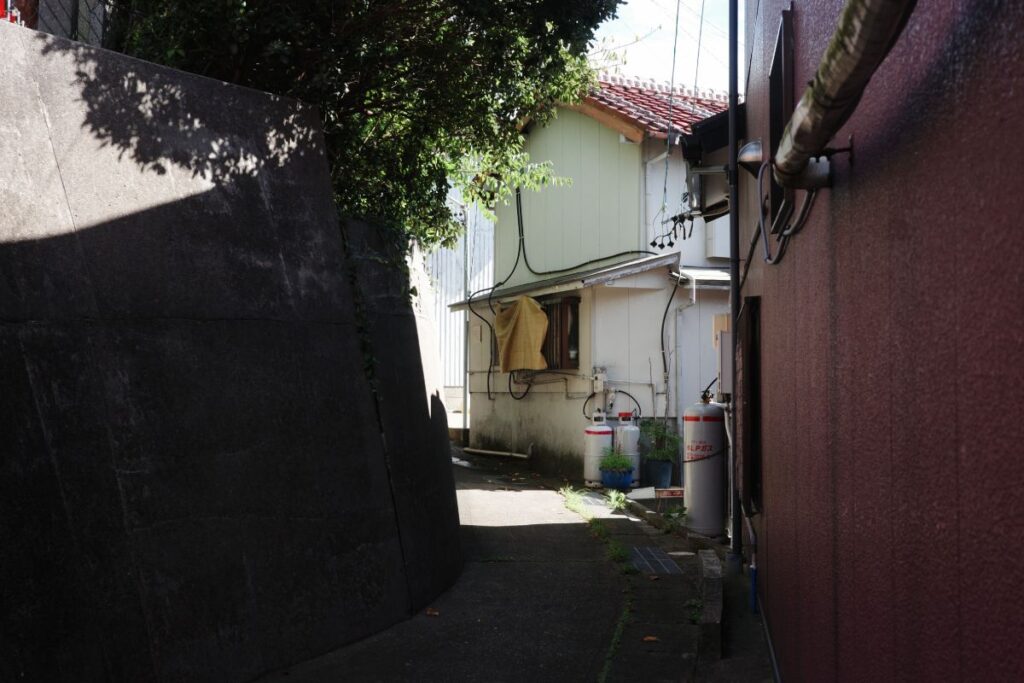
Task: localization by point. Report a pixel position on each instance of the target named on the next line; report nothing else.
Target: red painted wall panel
(893, 362)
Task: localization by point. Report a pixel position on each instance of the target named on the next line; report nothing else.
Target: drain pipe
(751, 533)
(866, 31)
(734, 560)
(754, 599)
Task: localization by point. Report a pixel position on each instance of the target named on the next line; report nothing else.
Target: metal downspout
(465, 327)
(735, 558)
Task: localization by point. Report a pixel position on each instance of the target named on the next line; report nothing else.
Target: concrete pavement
(543, 599)
(538, 600)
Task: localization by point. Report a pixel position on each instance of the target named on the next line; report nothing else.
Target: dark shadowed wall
(893, 362)
(200, 479)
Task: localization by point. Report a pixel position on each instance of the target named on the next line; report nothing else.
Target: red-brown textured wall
(893, 362)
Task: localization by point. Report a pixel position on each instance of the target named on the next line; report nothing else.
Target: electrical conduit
(866, 31)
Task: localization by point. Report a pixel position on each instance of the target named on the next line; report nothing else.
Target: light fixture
(751, 156)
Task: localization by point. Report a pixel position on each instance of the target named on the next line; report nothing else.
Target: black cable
(664, 356)
(750, 257)
(793, 229)
(526, 259)
(638, 410)
(529, 385)
(521, 253)
(586, 401)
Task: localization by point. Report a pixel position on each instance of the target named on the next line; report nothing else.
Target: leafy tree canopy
(413, 93)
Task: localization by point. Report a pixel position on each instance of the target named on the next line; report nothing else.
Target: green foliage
(673, 519)
(616, 553)
(573, 501)
(615, 461)
(412, 93)
(616, 500)
(597, 529)
(676, 513)
(664, 443)
(694, 608)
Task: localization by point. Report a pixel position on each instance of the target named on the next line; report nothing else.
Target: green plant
(598, 529)
(617, 500)
(573, 501)
(616, 553)
(694, 608)
(664, 443)
(620, 627)
(676, 514)
(396, 134)
(615, 461)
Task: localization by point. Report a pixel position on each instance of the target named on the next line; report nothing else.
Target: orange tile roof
(645, 104)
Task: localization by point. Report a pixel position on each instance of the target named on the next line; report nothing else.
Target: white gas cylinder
(704, 458)
(597, 438)
(627, 442)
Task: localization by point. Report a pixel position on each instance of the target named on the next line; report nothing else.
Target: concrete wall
(893, 363)
(199, 481)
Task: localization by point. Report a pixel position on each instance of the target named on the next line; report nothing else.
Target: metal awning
(702, 278)
(578, 280)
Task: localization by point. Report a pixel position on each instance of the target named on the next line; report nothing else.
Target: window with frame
(562, 343)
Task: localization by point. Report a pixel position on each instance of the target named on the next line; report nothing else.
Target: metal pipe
(735, 557)
(465, 325)
(506, 454)
(866, 31)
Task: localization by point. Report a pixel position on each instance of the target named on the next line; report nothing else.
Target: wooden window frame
(563, 325)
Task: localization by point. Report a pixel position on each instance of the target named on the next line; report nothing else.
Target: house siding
(893, 363)
(613, 205)
(597, 215)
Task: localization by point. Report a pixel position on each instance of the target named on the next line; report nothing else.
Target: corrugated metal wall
(448, 269)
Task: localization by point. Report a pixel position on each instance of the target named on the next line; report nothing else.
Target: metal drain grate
(653, 560)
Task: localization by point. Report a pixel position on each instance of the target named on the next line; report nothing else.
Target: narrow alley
(553, 594)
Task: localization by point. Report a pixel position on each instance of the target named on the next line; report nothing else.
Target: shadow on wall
(158, 120)
(198, 480)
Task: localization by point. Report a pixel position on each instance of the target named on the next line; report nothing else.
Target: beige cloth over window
(520, 329)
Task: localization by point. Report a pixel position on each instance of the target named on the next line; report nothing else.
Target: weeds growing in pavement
(573, 500)
(694, 608)
(620, 627)
(616, 553)
(617, 500)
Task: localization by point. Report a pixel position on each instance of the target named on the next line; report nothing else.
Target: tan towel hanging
(520, 329)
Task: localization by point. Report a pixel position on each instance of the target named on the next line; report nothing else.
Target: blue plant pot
(617, 480)
(659, 473)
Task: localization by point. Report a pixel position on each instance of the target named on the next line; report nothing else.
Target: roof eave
(630, 129)
(578, 280)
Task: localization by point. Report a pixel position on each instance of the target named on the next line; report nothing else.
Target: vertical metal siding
(446, 268)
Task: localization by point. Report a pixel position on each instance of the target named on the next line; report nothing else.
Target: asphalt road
(537, 600)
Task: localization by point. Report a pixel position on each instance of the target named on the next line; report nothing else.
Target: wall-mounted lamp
(751, 156)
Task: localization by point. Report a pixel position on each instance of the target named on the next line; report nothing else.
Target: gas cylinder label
(698, 450)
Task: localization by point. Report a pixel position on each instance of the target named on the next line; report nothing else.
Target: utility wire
(700, 36)
(668, 137)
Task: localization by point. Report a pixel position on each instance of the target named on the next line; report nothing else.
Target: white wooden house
(615, 322)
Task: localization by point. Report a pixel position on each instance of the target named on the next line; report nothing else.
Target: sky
(643, 34)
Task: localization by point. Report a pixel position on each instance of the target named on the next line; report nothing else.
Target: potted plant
(616, 470)
(664, 446)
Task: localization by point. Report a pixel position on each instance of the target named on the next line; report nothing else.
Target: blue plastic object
(617, 480)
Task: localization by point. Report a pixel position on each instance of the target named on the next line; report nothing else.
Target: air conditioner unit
(716, 238)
